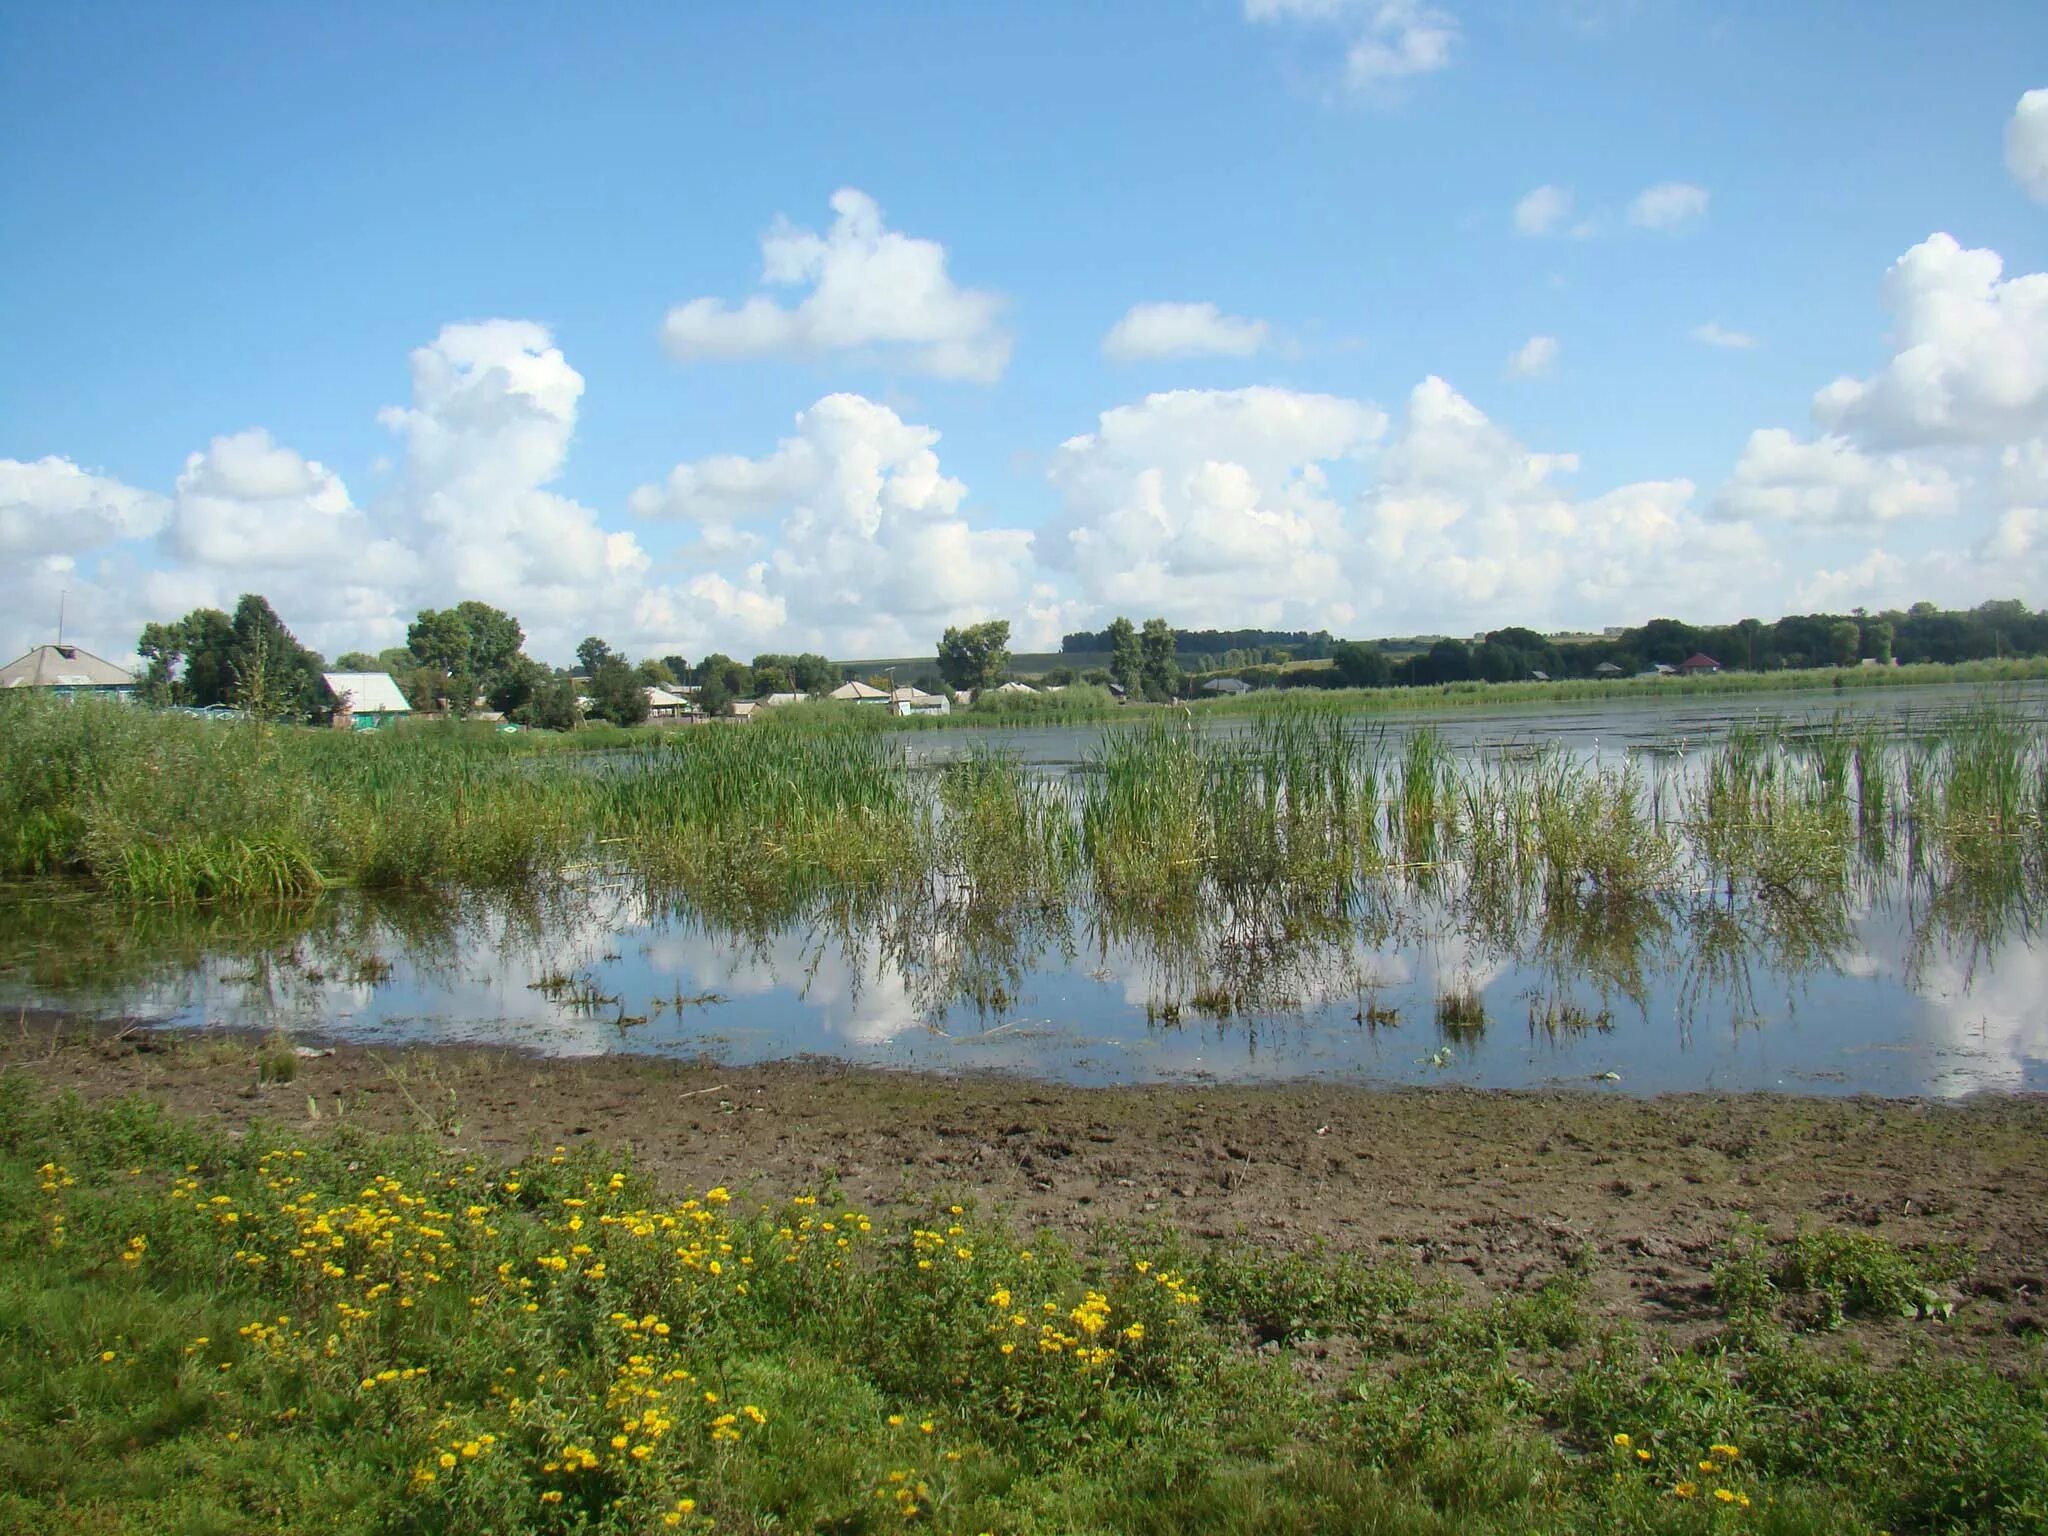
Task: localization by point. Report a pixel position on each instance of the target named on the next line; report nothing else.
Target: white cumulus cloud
(870, 551)
(871, 289)
(2026, 144)
(1971, 364)
(1669, 206)
(1209, 503)
(1780, 479)
(1181, 330)
(51, 506)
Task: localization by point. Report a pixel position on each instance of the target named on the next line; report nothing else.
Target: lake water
(1880, 990)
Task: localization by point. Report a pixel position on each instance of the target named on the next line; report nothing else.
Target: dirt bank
(1494, 1189)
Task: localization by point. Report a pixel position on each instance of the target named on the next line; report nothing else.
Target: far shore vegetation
(470, 660)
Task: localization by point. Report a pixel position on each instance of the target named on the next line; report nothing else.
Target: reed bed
(1301, 809)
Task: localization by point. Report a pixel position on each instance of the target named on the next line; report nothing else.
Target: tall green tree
(616, 692)
(1158, 675)
(1126, 655)
(1361, 666)
(977, 656)
(163, 647)
(269, 672)
(475, 648)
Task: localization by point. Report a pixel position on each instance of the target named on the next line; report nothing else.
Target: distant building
(1607, 669)
(1226, 685)
(663, 705)
(365, 701)
(745, 709)
(1699, 661)
(775, 700)
(858, 692)
(915, 701)
(1013, 686)
(68, 670)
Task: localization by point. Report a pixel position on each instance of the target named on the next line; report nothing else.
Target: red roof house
(1698, 661)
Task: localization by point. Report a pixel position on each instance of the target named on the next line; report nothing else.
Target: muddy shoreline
(1494, 1190)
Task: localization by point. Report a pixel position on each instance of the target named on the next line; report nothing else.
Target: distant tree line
(1209, 648)
(1921, 633)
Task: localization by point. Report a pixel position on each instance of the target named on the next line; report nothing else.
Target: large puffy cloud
(249, 502)
(871, 554)
(1384, 40)
(1971, 364)
(1465, 525)
(2026, 144)
(1181, 330)
(1780, 479)
(1209, 503)
(871, 288)
(494, 408)
(52, 507)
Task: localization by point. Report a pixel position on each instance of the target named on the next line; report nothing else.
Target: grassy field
(260, 1333)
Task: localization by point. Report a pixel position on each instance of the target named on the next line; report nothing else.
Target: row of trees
(1922, 633)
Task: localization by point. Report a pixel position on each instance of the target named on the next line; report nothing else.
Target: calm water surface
(1885, 990)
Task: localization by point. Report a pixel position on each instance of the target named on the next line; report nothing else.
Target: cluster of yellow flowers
(910, 1493)
(52, 1180)
(1721, 1459)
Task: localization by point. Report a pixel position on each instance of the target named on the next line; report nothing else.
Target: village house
(365, 701)
(66, 671)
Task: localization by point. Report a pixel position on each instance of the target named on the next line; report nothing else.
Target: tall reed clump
(166, 807)
(765, 811)
(1008, 833)
(1596, 834)
(1141, 824)
(1766, 814)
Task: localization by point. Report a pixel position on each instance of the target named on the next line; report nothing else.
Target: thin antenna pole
(61, 595)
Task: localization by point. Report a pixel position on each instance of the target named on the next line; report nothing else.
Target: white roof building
(367, 693)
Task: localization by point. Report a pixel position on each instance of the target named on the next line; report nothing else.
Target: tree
(163, 647)
(657, 674)
(1158, 675)
(678, 667)
(616, 692)
(1880, 633)
(770, 679)
(975, 657)
(591, 654)
(267, 670)
(357, 661)
(1845, 637)
(811, 673)
(1126, 656)
(440, 639)
(551, 705)
(1361, 666)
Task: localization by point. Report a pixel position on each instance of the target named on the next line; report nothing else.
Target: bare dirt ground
(1495, 1190)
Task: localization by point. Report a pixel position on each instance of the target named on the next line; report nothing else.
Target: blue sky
(238, 234)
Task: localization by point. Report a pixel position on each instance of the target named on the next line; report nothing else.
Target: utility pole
(61, 595)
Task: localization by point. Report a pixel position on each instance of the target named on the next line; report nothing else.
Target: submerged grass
(355, 1335)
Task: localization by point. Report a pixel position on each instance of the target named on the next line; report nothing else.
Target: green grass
(1308, 804)
(204, 1333)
